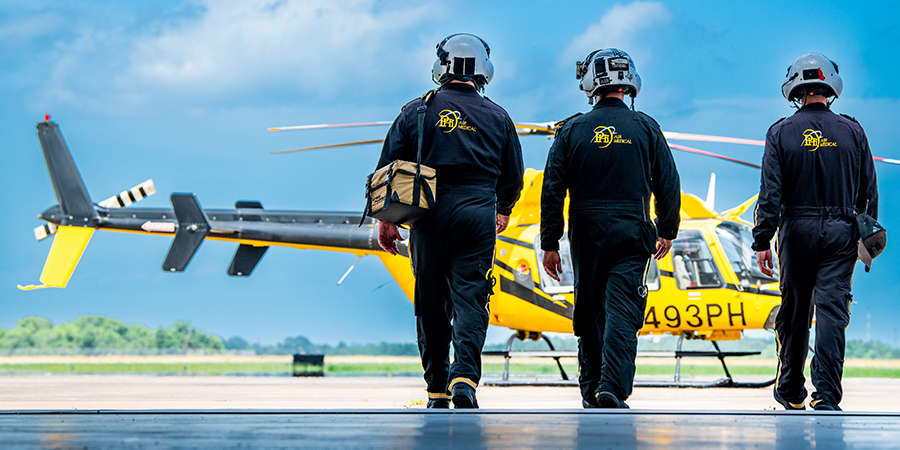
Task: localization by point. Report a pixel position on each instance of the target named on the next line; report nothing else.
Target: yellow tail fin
(68, 245)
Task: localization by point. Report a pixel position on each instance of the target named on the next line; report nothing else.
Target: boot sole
(464, 402)
(607, 400)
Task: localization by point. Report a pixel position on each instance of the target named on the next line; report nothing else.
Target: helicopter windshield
(693, 263)
(566, 281)
(652, 280)
(736, 240)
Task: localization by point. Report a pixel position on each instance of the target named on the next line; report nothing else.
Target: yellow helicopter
(708, 287)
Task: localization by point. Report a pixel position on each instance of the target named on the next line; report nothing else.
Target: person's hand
(387, 235)
(764, 261)
(662, 248)
(502, 222)
(552, 264)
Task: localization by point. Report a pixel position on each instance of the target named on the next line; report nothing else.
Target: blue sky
(182, 92)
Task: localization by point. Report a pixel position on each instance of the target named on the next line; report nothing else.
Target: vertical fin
(73, 197)
(65, 253)
(711, 193)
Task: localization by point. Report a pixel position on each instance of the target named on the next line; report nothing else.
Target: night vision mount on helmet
(606, 70)
(465, 57)
(812, 74)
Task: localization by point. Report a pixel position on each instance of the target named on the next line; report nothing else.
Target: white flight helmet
(812, 73)
(463, 56)
(605, 70)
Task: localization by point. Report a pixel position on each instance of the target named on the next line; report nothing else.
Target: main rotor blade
(714, 155)
(549, 128)
(331, 125)
(707, 138)
(345, 144)
(886, 160)
(532, 128)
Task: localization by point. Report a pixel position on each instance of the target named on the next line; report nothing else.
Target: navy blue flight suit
(817, 174)
(472, 144)
(609, 160)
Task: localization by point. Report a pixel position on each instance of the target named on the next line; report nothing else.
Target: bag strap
(420, 111)
(368, 201)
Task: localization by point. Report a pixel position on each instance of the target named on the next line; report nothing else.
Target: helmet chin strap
(797, 102)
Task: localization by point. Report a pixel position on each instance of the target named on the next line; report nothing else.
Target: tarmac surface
(96, 411)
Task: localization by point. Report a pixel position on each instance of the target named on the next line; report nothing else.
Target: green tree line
(97, 332)
(302, 345)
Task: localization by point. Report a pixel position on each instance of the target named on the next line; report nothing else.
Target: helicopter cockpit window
(566, 281)
(736, 240)
(692, 262)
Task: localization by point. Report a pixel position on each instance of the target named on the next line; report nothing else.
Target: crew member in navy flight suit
(609, 160)
(817, 173)
(472, 144)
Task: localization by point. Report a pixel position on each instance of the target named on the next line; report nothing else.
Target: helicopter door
(652, 278)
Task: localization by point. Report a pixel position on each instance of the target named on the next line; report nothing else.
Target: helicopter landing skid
(725, 382)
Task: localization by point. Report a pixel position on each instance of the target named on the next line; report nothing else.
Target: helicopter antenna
(710, 202)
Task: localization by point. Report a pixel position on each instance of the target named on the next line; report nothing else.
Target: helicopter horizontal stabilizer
(65, 253)
(193, 227)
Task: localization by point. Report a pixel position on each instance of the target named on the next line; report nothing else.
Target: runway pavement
(91, 412)
(493, 429)
(136, 392)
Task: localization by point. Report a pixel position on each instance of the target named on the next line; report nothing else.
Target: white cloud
(234, 42)
(620, 27)
(226, 51)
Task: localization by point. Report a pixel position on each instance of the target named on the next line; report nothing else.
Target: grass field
(215, 365)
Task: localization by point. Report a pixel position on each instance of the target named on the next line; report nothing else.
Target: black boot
(438, 401)
(463, 395)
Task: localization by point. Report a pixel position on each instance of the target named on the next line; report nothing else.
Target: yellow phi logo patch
(451, 120)
(814, 139)
(604, 136)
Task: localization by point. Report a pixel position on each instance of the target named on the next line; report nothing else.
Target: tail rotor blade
(126, 198)
(44, 231)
